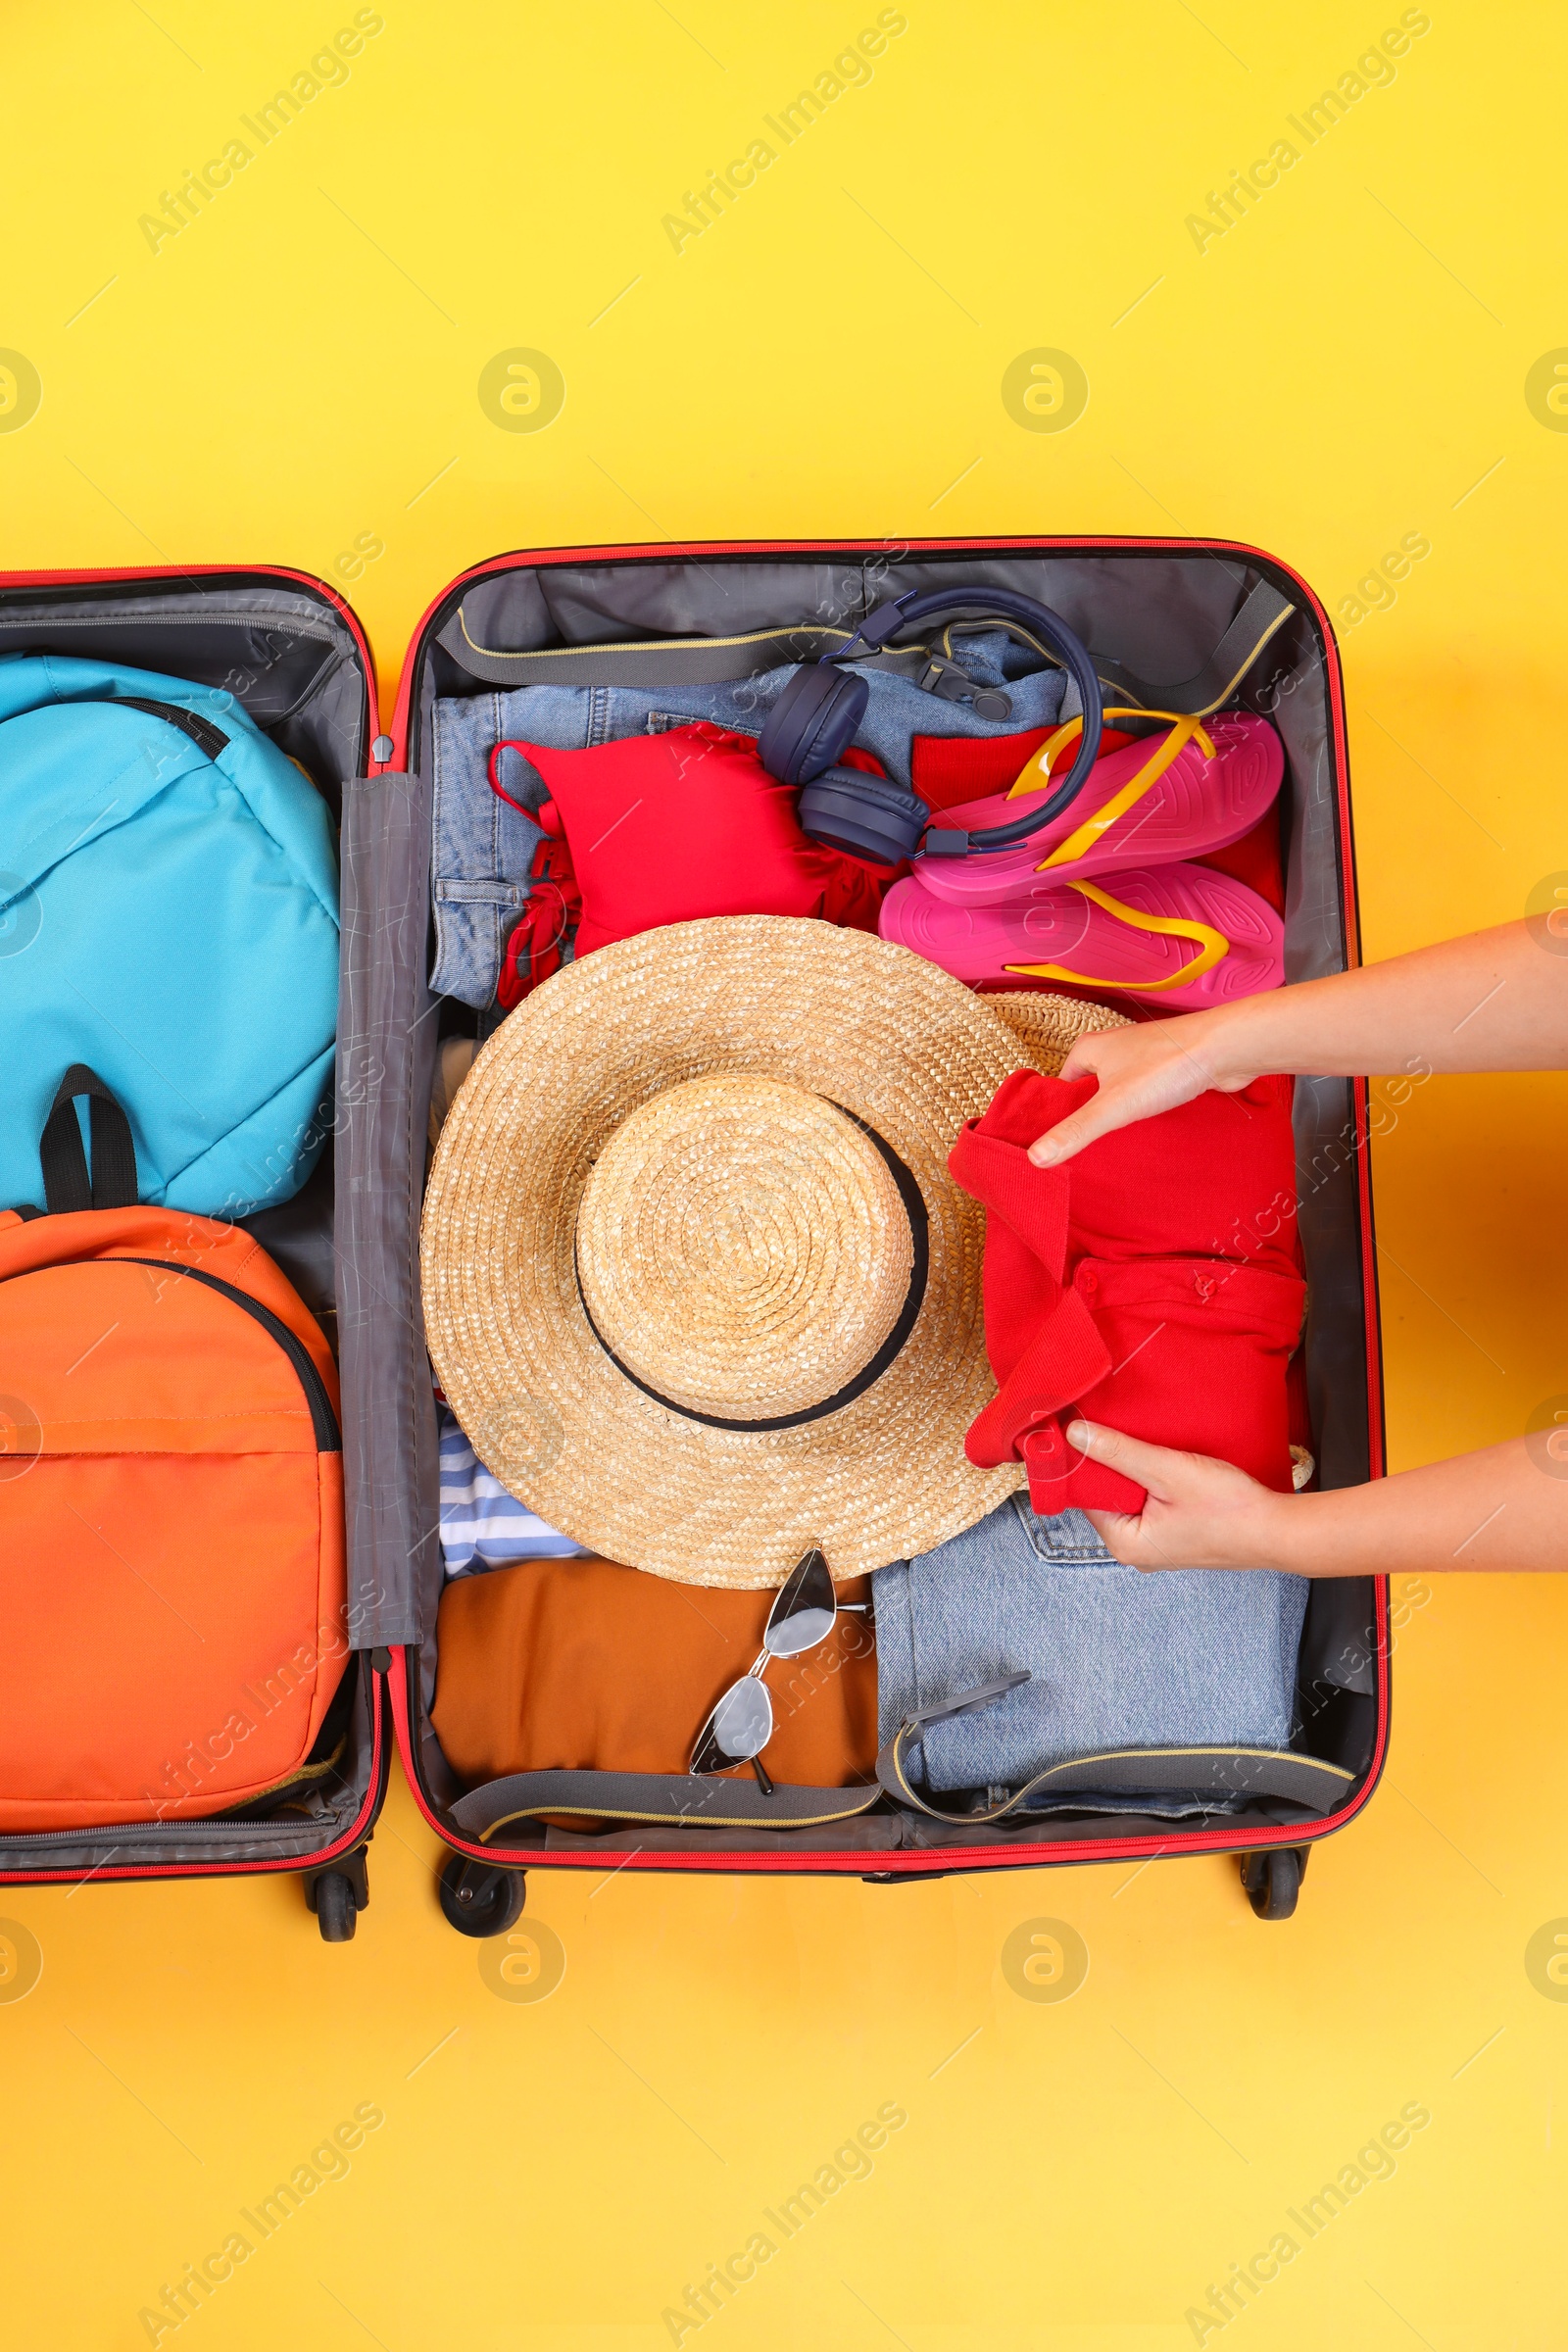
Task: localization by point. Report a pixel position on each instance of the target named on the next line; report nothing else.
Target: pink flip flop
(1182, 934)
(1195, 789)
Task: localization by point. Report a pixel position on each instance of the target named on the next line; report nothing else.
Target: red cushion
(669, 828)
(1150, 1283)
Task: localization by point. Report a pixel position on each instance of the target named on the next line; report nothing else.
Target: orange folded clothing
(583, 1665)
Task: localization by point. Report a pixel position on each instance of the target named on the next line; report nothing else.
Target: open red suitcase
(1160, 609)
(294, 654)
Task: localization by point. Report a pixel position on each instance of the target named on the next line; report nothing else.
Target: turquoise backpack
(168, 916)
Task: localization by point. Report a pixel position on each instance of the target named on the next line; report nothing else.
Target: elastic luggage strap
(677, 1801)
(645, 661)
(653, 662)
(659, 662)
(1218, 1772)
(1264, 612)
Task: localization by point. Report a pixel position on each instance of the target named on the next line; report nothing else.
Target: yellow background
(297, 369)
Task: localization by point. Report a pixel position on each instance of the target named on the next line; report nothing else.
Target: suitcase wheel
(1272, 1880)
(480, 1900)
(338, 1895)
(336, 1912)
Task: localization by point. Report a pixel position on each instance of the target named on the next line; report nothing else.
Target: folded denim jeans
(1117, 1658)
(482, 849)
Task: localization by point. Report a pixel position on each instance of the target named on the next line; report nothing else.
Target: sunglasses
(742, 1723)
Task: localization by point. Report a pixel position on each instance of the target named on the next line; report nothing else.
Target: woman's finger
(1096, 1117)
(1155, 1467)
(1118, 1532)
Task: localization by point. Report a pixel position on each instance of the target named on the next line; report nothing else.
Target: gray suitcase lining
(290, 659)
(1158, 611)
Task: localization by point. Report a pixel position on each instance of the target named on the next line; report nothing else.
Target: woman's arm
(1504, 1509)
(1495, 1000)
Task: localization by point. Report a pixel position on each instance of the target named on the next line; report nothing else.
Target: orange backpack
(171, 1547)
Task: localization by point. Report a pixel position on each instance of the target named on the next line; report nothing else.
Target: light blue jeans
(482, 849)
(1185, 1658)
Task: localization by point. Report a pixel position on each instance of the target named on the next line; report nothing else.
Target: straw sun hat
(697, 1281)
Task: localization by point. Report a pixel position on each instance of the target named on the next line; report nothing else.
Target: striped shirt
(482, 1525)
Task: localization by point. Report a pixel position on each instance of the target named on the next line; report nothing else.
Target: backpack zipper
(202, 732)
(324, 1420)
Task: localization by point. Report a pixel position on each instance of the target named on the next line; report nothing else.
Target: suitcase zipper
(298, 625)
(216, 1825)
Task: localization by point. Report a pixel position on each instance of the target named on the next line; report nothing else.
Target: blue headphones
(812, 723)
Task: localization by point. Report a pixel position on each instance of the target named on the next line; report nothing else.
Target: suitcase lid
(295, 654)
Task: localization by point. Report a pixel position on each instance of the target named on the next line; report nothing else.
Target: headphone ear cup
(812, 723)
(865, 816)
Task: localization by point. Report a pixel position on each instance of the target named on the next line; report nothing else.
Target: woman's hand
(1141, 1070)
(1491, 1002)
(1504, 1510)
(1200, 1514)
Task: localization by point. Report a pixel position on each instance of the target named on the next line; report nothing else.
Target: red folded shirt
(1149, 1284)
